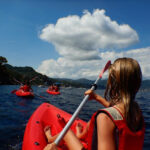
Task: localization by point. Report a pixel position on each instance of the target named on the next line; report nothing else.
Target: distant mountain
(75, 83)
(88, 83)
(10, 75)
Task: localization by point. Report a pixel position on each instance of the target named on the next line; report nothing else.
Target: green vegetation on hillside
(10, 74)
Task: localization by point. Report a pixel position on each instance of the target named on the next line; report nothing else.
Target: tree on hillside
(4, 76)
(3, 60)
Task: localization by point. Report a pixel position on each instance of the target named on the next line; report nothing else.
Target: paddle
(17, 81)
(66, 128)
(33, 78)
(21, 83)
(47, 99)
(13, 91)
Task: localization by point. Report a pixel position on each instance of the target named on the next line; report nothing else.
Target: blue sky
(24, 42)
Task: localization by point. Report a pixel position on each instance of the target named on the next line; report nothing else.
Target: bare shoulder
(103, 120)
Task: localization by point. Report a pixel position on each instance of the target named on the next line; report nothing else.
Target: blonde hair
(123, 83)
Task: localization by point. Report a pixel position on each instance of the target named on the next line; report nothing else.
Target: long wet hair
(123, 83)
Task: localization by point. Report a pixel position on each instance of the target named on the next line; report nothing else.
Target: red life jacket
(127, 139)
(26, 88)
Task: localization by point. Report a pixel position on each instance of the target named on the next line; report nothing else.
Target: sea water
(15, 111)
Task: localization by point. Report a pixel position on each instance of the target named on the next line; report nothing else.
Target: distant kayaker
(120, 126)
(54, 88)
(26, 87)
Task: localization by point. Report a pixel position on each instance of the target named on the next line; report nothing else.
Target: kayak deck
(46, 115)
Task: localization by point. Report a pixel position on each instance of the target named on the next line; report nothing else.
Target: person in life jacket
(120, 126)
(54, 88)
(26, 87)
(51, 88)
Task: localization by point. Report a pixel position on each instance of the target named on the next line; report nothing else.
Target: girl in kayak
(121, 125)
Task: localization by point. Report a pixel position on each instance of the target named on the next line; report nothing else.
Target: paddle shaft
(17, 81)
(66, 128)
(42, 97)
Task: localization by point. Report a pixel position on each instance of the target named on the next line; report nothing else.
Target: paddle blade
(105, 68)
(13, 91)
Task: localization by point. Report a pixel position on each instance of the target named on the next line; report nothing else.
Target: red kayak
(46, 115)
(24, 94)
(53, 92)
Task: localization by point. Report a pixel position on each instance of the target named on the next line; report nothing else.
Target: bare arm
(105, 132)
(102, 100)
(97, 97)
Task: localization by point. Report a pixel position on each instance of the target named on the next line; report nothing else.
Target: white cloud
(64, 68)
(81, 41)
(143, 57)
(82, 38)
